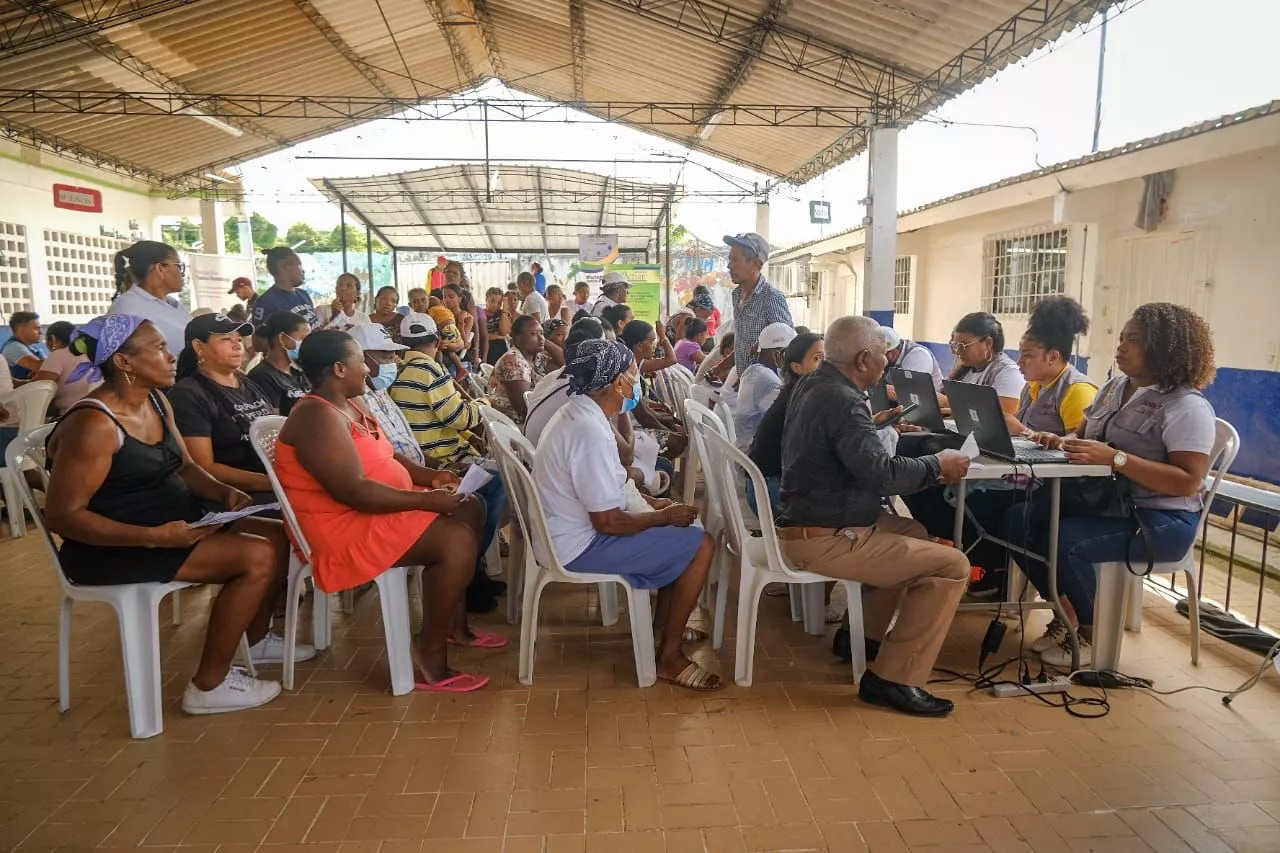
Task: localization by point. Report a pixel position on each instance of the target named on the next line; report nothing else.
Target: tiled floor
(585, 761)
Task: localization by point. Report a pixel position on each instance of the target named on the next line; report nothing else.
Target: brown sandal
(694, 677)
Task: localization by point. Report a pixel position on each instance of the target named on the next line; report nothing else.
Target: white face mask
(385, 376)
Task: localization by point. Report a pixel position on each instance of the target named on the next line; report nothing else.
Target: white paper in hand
(475, 478)
(970, 446)
(219, 518)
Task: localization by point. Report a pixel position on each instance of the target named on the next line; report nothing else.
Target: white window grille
(1021, 268)
(793, 279)
(903, 275)
(15, 270)
(81, 270)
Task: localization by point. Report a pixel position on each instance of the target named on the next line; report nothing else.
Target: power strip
(1057, 684)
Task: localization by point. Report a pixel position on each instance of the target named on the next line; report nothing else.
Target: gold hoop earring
(128, 377)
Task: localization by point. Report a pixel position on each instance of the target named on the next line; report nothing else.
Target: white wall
(26, 198)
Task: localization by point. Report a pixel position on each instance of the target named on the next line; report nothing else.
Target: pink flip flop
(461, 683)
(483, 640)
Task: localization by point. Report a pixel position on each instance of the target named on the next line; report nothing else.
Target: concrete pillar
(762, 228)
(211, 214)
(881, 225)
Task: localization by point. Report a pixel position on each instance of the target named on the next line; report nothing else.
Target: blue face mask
(293, 351)
(386, 375)
(634, 400)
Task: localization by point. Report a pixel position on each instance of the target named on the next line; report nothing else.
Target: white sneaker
(1054, 633)
(1060, 655)
(270, 649)
(239, 691)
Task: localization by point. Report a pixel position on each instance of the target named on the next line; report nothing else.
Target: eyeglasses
(182, 268)
(958, 348)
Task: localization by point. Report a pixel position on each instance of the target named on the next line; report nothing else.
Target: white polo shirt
(165, 315)
(577, 471)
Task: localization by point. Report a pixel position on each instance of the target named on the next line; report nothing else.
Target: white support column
(211, 214)
(762, 228)
(881, 225)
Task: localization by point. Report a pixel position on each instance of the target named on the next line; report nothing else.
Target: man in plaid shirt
(756, 302)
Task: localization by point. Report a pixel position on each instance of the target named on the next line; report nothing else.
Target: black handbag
(1107, 497)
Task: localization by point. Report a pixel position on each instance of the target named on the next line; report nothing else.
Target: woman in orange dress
(362, 510)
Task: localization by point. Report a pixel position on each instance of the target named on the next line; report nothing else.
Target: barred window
(903, 273)
(1022, 268)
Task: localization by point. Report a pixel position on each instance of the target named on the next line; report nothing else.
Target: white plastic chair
(136, 605)
(1120, 581)
(713, 515)
(761, 558)
(32, 401)
(392, 584)
(541, 566)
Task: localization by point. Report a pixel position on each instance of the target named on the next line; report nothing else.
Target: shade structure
(517, 209)
(172, 90)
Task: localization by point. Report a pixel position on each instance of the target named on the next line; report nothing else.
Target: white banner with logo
(597, 248)
(211, 277)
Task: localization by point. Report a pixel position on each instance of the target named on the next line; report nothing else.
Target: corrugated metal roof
(503, 209)
(907, 57)
(1208, 126)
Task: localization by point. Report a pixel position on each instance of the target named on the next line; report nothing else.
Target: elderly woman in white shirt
(581, 483)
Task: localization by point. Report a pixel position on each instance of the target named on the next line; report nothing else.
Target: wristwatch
(1118, 461)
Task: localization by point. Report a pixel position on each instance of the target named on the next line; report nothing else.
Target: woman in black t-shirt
(278, 375)
(214, 404)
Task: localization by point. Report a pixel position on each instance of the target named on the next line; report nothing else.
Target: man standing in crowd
(286, 294)
(539, 280)
(756, 302)
(613, 291)
(835, 476)
(534, 304)
(242, 289)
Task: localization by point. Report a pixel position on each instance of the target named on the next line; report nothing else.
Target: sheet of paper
(475, 478)
(211, 519)
(970, 446)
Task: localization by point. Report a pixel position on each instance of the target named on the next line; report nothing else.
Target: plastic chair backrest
(701, 421)
(1226, 444)
(29, 449)
(700, 392)
(683, 373)
(490, 416)
(263, 434)
(515, 454)
(32, 400)
(732, 460)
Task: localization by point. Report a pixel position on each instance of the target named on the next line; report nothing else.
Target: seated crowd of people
(385, 414)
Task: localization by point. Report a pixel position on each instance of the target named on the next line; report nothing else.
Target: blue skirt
(651, 559)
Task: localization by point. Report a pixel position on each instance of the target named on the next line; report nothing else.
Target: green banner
(645, 297)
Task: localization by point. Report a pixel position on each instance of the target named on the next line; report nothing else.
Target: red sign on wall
(77, 198)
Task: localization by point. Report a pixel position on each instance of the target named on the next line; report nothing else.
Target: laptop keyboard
(1030, 455)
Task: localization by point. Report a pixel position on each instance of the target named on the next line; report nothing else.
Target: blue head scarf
(110, 332)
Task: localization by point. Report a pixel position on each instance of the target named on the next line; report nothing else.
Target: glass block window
(15, 269)
(81, 270)
(903, 268)
(1021, 268)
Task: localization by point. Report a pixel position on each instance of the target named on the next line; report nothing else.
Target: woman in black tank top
(122, 494)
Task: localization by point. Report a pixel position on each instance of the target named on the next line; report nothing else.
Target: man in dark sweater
(835, 474)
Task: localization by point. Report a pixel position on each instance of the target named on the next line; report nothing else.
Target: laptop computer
(915, 387)
(976, 409)
(880, 396)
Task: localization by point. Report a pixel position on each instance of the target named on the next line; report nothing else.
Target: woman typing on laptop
(1155, 429)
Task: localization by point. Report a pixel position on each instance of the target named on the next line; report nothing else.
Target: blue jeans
(493, 495)
(1085, 542)
(773, 483)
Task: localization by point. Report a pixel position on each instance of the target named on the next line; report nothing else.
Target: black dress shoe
(916, 701)
(842, 647)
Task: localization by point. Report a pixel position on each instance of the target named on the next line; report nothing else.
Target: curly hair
(1178, 345)
(1054, 323)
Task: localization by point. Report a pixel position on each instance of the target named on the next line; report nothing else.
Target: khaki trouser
(899, 568)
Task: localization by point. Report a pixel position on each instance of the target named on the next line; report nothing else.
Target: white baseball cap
(615, 278)
(776, 336)
(417, 326)
(892, 340)
(375, 338)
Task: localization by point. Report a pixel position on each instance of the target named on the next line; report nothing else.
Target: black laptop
(976, 409)
(880, 395)
(914, 387)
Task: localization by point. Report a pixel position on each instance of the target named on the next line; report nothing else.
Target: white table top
(986, 468)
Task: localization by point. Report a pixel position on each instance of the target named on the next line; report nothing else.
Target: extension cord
(1057, 684)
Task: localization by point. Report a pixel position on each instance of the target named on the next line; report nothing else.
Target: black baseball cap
(202, 327)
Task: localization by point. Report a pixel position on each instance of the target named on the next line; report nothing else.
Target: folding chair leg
(815, 608)
(291, 607)
(394, 594)
(609, 604)
(642, 636)
(796, 599)
(723, 561)
(1133, 611)
(1193, 612)
(857, 633)
(64, 655)
(529, 624)
(750, 586)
